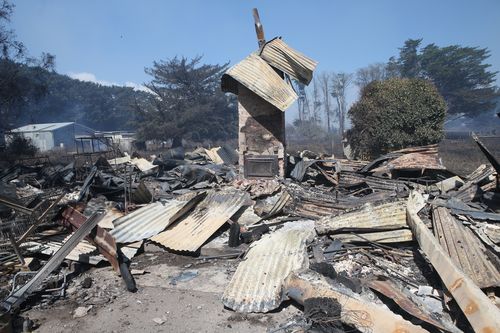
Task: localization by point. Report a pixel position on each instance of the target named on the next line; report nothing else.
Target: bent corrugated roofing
(257, 284)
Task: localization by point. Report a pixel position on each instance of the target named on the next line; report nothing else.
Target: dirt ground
(166, 300)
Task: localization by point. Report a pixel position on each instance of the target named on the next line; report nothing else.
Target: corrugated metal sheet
(430, 152)
(281, 56)
(416, 161)
(257, 284)
(481, 313)
(148, 220)
(411, 304)
(314, 203)
(387, 216)
(212, 154)
(83, 252)
(280, 204)
(255, 74)
(352, 179)
(429, 149)
(222, 155)
(143, 164)
(465, 249)
(190, 233)
(393, 236)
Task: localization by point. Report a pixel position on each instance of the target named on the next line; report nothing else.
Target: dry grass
(463, 156)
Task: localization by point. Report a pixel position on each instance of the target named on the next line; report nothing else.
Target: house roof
(41, 127)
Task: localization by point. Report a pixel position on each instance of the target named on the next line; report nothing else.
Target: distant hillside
(66, 99)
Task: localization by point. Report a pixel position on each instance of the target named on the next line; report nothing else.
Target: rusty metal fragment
(281, 56)
(465, 249)
(190, 233)
(481, 313)
(313, 203)
(392, 236)
(104, 242)
(150, 220)
(410, 304)
(369, 217)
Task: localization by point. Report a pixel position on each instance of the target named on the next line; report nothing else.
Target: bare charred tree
(324, 80)
(340, 84)
(370, 73)
(316, 101)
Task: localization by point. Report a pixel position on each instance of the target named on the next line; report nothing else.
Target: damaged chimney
(262, 82)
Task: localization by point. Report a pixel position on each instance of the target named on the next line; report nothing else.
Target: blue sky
(112, 41)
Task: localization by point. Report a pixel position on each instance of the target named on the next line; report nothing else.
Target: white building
(52, 135)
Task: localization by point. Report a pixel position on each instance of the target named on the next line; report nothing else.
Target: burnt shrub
(19, 146)
(395, 114)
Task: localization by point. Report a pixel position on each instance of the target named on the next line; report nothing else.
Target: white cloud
(90, 77)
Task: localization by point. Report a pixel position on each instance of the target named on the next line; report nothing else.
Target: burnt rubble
(396, 244)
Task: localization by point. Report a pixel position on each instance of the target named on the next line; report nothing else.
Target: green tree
(186, 102)
(461, 74)
(409, 60)
(18, 85)
(394, 114)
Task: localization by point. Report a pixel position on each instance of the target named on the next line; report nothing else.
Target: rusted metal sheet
(110, 215)
(431, 151)
(18, 296)
(393, 236)
(449, 184)
(465, 249)
(413, 161)
(257, 284)
(410, 304)
(255, 74)
(386, 216)
(481, 173)
(281, 56)
(471, 189)
(481, 313)
(428, 150)
(314, 203)
(351, 165)
(366, 316)
(190, 233)
(280, 204)
(100, 238)
(352, 179)
(149, 220)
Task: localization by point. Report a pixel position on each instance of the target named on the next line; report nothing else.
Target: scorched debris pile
(398, 243)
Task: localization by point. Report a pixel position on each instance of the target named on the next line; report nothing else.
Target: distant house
(53, 135)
